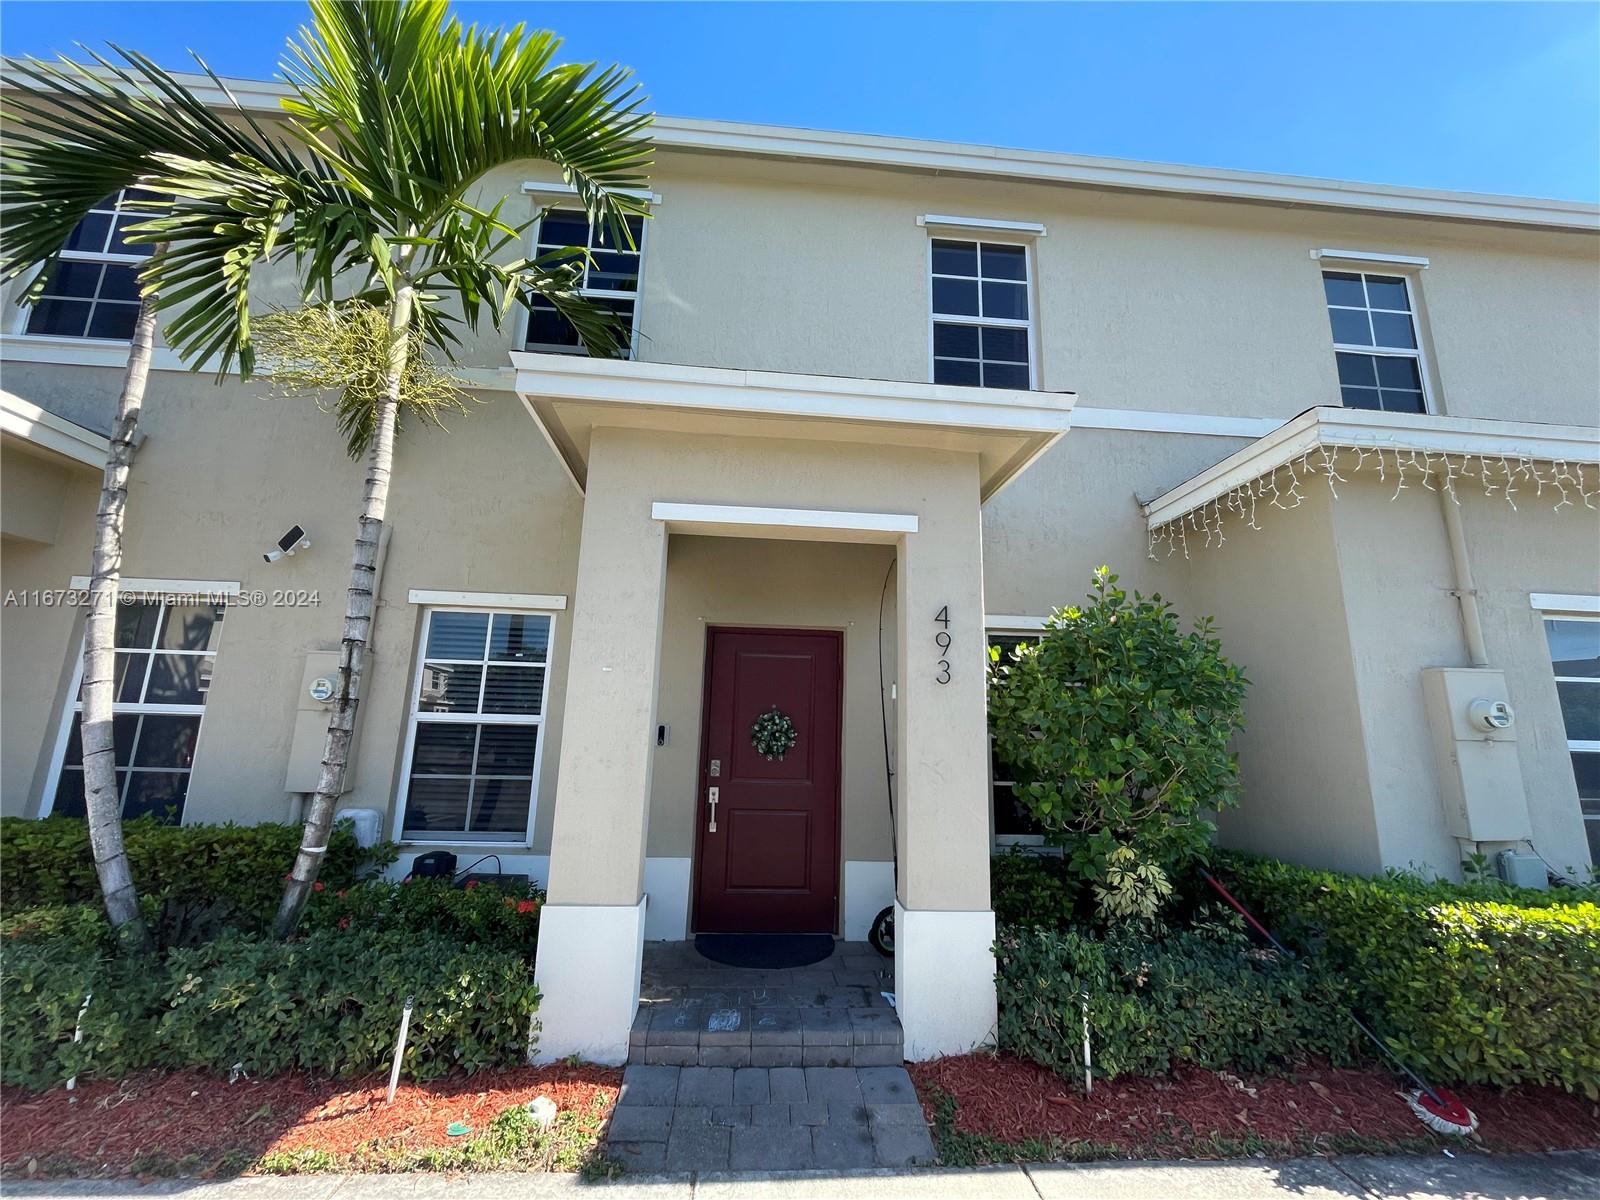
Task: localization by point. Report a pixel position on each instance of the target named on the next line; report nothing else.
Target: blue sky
(1481, 97)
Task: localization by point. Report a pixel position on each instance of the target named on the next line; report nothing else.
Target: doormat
(764, 951)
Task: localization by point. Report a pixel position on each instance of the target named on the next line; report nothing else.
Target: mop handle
(1284, 950)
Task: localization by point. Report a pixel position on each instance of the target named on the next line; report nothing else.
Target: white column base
(587, 968)
(944, 980)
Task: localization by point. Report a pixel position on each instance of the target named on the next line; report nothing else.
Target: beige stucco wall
(1334, 609)
(780, 584)
(222, 473)
(1396, 572)
(1143, 302)
(1281, 615)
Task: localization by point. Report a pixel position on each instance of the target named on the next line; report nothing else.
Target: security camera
(295, 539)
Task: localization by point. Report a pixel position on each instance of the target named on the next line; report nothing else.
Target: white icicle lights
(1559, 483)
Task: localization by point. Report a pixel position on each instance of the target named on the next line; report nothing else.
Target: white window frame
(205, 590)
(25, 311)
(998, 238)
(1575, 746)
(1392, 269)
(549, 197)
(414, 717)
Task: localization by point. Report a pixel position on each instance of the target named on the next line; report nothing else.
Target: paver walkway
(694, 1012)
(782, 1070)
(767, 1118)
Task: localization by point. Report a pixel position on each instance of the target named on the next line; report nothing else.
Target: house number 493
(942, 640)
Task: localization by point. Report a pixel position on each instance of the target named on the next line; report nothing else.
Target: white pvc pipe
(1088, 1060)
(77, 1039)
(399, 1050)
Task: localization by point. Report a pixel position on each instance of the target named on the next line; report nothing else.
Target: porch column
(944, 925)
(591, 932)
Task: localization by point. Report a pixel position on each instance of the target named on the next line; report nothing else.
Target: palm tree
(398, 110)
(83, 135)
(401, 110)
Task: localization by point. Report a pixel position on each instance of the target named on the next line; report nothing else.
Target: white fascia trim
(533, 187)
(1371, 256)
(1555, 602)
(1012, 623)
(44, 429)
(874, 150)
(772, 393)
(936, 221)
(1364, 429)
(1136, 420)
(785, 518)
(487, 600)
(80, 352)
(135, 585)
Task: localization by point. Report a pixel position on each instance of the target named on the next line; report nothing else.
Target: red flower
(340, 893)
(319, 886)
(527, 906)
(288, 875)
(344, 922)
(471, 883)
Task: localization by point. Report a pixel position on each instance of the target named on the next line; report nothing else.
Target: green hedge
(1035, 890)
(239, 866)
(505, 919)
(329, 1002)
(1477, 983)
(1201, 998)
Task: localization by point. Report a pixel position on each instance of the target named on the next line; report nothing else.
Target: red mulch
(1322, 1108)
(187, 1113)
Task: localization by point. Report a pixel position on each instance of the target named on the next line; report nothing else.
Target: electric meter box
(1475, 750)
(319, 681)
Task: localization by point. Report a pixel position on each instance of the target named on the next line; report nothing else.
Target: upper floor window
(93, 289)
(1375, 341)
(610, 277)
(477, 725)
(982, 315)
(165, 655)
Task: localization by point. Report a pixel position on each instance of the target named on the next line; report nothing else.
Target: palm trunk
(358, 614)
(102, 798)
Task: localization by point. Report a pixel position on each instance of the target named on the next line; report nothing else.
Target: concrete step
(733, 1030)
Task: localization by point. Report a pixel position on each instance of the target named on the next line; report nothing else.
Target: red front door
(772, 863)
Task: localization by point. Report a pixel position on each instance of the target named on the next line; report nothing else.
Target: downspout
(1465, 590)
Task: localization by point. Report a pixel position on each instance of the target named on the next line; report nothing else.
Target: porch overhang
(1431, 439)
(569, 396)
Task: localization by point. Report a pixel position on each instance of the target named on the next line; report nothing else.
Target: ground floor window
(1013, 824)
(1575, 656)
(477, 726)
(165, 655)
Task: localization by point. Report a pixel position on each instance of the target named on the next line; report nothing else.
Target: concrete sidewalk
(1573, 1175)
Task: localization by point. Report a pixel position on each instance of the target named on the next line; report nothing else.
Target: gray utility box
(311, 724)
(1475, 750)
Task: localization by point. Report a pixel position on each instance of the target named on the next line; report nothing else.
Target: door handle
(711, 800)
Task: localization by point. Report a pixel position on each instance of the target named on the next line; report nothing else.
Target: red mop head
(1451, 1116)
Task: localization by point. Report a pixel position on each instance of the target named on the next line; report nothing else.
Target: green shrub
(1033, 890)
(505, 919)
(329, 1002)
(1116, 727)
(240, 867)
(1474, 983)
(1203, 998)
